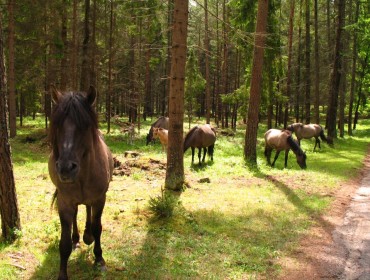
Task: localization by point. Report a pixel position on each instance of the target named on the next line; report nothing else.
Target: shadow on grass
(149, 262)
(294, 199)
(80, 264)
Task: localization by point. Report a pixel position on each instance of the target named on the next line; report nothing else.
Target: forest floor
(338, 246)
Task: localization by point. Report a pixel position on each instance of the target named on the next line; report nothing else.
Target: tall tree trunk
(108, 104)
(93, 68)
(74, 51)
(308, 65)
(175, 157)
(336, 73)
(250, 147)
(353, 72)
(224, 70)
(290, 53)
(317, 67)
(298, 71)
(9, 213)
(63, 61)
(217, 72)
(207, 55)
(11, 78)
(85, 67)
(165, 99)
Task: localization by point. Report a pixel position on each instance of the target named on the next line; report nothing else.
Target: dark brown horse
(161, 122)
(201, 137)
(281, 140)
(80, 166)
(307, 131)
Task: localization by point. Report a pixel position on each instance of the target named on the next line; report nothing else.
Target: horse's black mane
(294, 145)
(75, 107)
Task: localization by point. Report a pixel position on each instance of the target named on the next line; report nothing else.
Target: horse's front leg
(88, 236)
(66, 216)
(286, 158)
(96, 228)
(317, 142)
(75, 233)
(192, 155)
(276, 156)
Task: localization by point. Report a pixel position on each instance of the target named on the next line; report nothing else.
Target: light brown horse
(161, 122)
(307, 131)
(162, 134)
(80, 166)
(282, 140)
(200, 136)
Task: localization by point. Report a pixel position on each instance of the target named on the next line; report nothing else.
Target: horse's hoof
(100, 265)
(75, 245)
(88, 238)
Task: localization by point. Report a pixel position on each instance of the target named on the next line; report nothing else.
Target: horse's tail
(54, 198)
(188, 137)
(322, 135)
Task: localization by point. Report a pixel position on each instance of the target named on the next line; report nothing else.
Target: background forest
(123, 49)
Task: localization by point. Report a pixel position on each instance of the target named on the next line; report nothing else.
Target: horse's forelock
(75, 107)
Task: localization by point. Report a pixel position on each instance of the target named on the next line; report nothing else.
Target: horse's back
(208, 135)
(161, 122)
(277, 139)
(200, 136)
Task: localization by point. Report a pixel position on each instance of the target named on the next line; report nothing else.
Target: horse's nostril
(73, 166)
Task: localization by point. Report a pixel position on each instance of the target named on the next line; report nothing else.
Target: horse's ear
(55, 94)
(91, 95)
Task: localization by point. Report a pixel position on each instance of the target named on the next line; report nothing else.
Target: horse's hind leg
(88, 236)
(199, 155)
(96, 229)
(75, 233)
(204, 154)
(268, 155)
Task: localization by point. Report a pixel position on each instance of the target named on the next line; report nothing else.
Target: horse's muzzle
(67, 170)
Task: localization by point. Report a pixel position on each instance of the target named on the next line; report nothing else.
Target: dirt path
(338, 246)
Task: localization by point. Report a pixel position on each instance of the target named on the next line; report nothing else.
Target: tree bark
(12, 97)
(85, 67)
(289, 71)
(175, 156)
(336, 74)
(317, 67)
(10, 220)
(207, 53)
(250, 151)
(353, 72)
(308, 65)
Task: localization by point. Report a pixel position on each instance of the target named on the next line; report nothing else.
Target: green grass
(237, 226)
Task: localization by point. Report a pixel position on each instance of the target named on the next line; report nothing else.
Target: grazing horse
(161, 122)
(307, 131)
(162, 134)
(80, 166)
(280, 140)
(200, 136)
